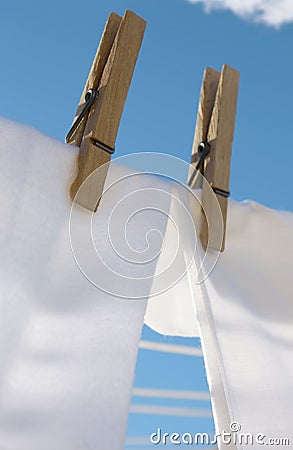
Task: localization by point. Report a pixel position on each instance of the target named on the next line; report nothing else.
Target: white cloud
(274, 13)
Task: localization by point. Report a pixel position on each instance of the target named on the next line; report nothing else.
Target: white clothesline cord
(170, 348)
(170, 411)
(166, 393)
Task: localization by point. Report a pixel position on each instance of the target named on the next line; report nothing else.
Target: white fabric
(172, 313)
(245, 315)
(244, 310)
(67, 349)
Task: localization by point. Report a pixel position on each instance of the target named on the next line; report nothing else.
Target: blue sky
(47, 49)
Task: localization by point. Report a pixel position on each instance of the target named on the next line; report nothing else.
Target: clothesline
(170, 348)
(170, 411)
(167, 393)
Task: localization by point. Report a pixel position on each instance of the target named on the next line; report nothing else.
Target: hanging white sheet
(68, 344)
(244, 315)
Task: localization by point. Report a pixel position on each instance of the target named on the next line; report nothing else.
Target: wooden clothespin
(214, 135)
(98, 115)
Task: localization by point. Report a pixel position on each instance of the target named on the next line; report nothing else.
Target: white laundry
(68, 344)
(67, 349)
(244, 311)
(245, 315)
(172, 313)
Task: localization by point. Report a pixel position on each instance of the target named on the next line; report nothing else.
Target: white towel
(67, 348)
(245, 315)
(244, 311)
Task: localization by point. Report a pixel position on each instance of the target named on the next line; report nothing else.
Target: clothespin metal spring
(90, 98)
(221, 192)
(203, 150)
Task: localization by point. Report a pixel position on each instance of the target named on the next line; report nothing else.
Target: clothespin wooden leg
(207, 98)
(215, 124)
(110, 75)
(96, 71)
